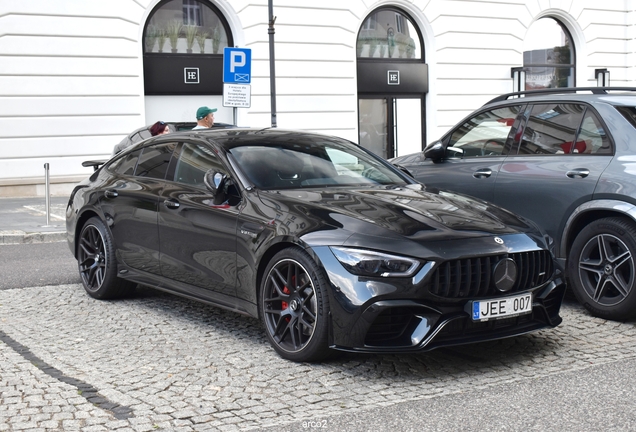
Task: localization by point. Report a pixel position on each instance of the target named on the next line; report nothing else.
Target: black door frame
(376, 81)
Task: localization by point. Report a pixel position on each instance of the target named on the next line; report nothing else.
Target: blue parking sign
(237, 65)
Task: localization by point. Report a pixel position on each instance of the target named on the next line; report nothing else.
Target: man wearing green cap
(205, 118)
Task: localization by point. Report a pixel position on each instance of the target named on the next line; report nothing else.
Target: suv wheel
(602, 268)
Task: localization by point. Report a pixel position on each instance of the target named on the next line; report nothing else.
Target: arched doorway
(183, 58)
(392, 83)
(549, 55)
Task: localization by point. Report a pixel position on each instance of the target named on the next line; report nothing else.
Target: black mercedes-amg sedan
(330, 246)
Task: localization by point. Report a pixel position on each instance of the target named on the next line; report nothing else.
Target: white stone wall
(70, 83)
(315, 64)
(477, 42)
(71, 71)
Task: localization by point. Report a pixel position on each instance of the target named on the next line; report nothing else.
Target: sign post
(237, 76)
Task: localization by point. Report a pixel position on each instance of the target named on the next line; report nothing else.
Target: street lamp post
(272, 62)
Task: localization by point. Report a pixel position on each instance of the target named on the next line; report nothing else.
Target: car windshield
(312, 164)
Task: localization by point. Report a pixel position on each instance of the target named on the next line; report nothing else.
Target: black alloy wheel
(602, 268)
(96, 262)
(294, 306)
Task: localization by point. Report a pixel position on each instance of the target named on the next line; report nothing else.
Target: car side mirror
(434, 151)
(216, 181)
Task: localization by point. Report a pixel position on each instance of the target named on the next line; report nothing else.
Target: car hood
(407, 211)
(409, 159)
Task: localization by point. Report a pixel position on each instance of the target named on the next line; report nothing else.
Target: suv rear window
(551, 129)
(556, 129)
(629, 113)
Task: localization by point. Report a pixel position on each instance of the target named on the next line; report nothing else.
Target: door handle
(109, 193)
(483, 172)
(579, 172)
(171, 203)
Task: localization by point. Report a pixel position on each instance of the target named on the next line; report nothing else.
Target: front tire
(96, 262)
(602, 268)
(294, 306)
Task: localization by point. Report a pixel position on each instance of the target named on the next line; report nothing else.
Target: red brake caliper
(284, 304)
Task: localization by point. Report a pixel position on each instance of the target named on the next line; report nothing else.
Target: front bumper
(400, 316)
(399, 326)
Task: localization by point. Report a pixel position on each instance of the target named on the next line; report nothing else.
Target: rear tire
(602, 268)
(294, 306)
(96, 262)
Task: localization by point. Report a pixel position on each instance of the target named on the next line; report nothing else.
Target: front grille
(472, 277)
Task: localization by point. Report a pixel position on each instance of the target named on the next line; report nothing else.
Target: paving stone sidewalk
(159, 362)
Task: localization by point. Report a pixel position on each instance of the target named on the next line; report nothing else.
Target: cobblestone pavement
(159, 362)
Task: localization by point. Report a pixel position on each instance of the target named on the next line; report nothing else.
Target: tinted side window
(551, 129)
(154, 160)
(192, 164)
(486, 134)
(592, 137)
(126, 165)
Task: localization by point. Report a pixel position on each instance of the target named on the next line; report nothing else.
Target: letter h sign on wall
(393, 77)
(191, 75)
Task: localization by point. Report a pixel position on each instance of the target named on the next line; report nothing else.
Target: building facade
(76, 76)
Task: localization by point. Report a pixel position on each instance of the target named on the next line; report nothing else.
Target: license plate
(484, 310)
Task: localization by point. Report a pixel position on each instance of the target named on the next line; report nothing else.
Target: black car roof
(229, 138)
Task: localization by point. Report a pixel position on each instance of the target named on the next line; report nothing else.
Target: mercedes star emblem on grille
(505, 274)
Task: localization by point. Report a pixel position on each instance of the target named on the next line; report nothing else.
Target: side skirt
(188, 291)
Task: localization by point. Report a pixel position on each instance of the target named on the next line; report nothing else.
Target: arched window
(183, 48)
(392, 82)
(186, 27)
(388, 34)
(548, 55)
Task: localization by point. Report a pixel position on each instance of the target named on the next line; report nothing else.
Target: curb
(22, 237)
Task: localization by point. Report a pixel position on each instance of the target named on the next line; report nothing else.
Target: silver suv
(564, 158)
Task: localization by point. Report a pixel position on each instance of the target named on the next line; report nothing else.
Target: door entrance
(392, 81)
(390, 126)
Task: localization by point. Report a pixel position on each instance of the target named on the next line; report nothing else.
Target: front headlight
(375, 264)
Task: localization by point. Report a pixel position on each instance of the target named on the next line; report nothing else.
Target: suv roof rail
(593, 90)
